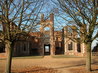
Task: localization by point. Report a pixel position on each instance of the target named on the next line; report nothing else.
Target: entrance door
(47, 49)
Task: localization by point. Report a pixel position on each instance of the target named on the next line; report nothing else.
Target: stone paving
(61, 64)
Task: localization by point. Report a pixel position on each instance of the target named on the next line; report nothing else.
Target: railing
(94, 53)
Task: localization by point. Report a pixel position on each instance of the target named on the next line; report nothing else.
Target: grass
(66, 56)
(40, 57)
(29, 57)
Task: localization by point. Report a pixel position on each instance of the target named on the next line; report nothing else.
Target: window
(79, 47)
(46, 28)
(1, 28)
(70, 46)
(24, 47)
(46, 35)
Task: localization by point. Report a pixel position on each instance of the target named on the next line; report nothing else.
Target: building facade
(71, 47)
(47, 42)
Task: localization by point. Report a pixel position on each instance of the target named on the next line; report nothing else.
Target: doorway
(46, 49)
(2, 47)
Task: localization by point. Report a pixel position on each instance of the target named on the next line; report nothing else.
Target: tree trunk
(9, 57)
(88, 56)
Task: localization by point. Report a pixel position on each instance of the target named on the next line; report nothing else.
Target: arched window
(46, 29)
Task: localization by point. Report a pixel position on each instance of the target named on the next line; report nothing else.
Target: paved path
(61, 64)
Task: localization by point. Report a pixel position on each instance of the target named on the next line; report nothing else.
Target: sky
(94, 43)
(59, 22)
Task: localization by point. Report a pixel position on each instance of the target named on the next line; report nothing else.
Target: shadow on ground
(78, 64)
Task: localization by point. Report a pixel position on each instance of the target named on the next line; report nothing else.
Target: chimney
(52, 17)
(42, 17)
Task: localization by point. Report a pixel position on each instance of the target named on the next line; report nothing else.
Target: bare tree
(84, 14)
(17, 16)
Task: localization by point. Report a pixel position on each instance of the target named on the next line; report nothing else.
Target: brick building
(70, 46)
(46, 42)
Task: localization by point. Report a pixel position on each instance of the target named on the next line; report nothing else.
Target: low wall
(2, 55)
(75, 54)
(94, 53)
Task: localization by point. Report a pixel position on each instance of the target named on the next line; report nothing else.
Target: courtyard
(56, 64)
